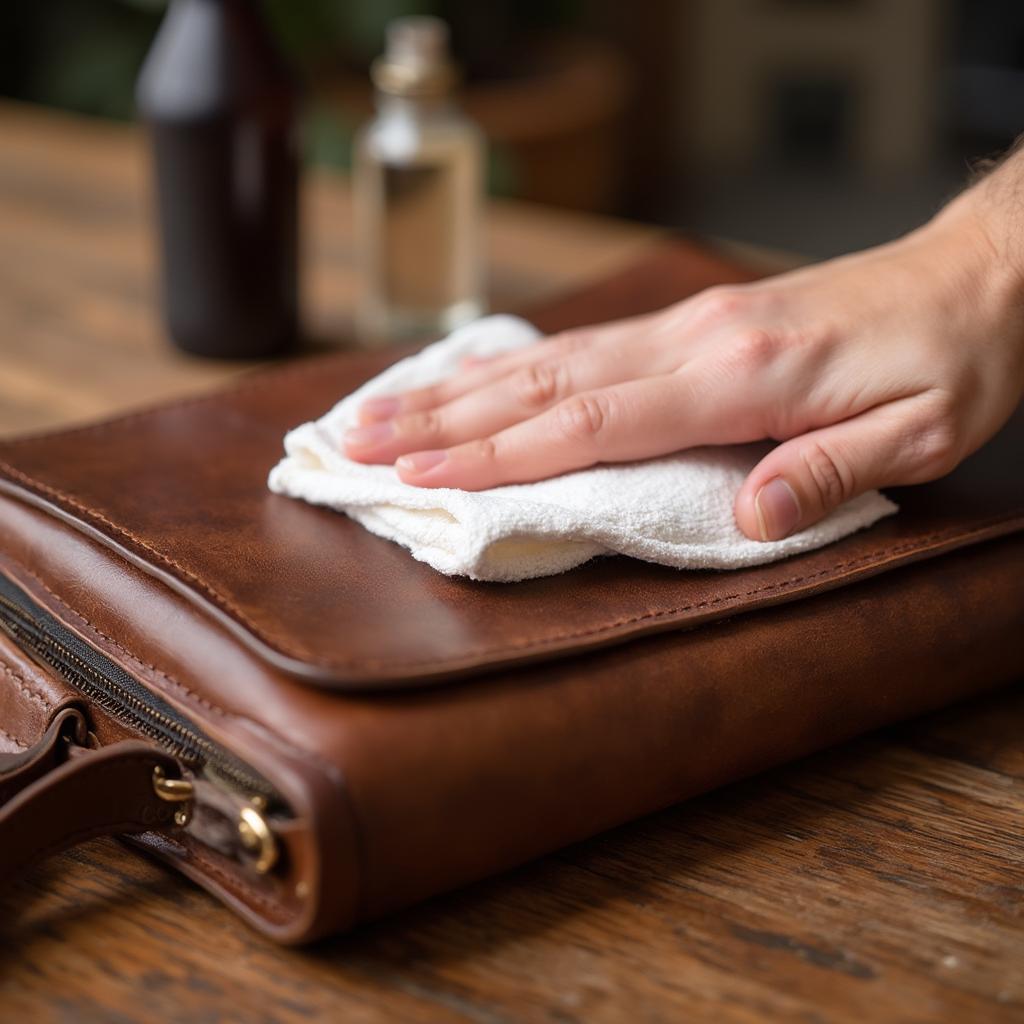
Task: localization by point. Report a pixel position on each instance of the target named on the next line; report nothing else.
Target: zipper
(104, 682)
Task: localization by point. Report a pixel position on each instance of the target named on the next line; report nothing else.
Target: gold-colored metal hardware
(175, 791)
(256, 835)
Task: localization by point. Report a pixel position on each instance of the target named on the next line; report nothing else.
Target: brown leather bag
(318, 740)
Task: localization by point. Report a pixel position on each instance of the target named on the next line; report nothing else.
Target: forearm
(985, 224)
(967, 264)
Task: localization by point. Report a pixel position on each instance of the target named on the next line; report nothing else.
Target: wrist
(976, 229)
(975, 239)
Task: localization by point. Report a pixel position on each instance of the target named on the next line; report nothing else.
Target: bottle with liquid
(418, 194)
(219, 102)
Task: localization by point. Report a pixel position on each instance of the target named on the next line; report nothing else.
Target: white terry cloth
(676, 510)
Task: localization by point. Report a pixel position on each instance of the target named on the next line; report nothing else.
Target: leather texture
(372, 616)
(92, 793)
(21, 769)
(424, 732)
(30, 698)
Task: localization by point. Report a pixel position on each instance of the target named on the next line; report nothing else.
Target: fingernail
(379, 408)
(420, 462)
(374, 433)
(778, 510)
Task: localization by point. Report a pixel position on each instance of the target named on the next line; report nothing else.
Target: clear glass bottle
(418, 194)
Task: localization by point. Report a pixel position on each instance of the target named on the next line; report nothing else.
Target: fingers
(521, 394)
(476, 373)
(636, 419)
(473, 374)
(807, 477)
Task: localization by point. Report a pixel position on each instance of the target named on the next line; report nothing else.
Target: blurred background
(816, 126)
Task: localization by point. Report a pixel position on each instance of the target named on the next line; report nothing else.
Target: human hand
(883, 368)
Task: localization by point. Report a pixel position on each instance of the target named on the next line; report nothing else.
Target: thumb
(804, 479)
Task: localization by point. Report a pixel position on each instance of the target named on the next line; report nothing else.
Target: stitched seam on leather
(187, 574)
(25, 687)
(237, 886)
(290, 647)
(233, 883)
(311, 758)
(918, 544)
(907, 547)
(173, 683)
(13, 739)
(269, 379)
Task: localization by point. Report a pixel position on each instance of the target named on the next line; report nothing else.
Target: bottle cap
(415, 62)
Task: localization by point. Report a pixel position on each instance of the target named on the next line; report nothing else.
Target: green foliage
(84, 54)
(327, 137)
(75, 55)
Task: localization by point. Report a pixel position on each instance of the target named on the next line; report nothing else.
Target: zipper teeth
(194, 749)
(84, 680)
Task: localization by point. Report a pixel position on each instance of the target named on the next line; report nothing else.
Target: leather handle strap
(23, 768)
(109, 791)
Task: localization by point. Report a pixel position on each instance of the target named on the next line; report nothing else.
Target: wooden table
(882, 881)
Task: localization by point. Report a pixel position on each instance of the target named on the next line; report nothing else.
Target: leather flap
(180, 491)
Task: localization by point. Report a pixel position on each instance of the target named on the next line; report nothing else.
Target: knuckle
(425, 399)
(427, 396)
(831, 478)
(571, 342)
(584, 417)
(671, 318)
(425, 425)
(721, 303)
(936, 445)
(755, 347)
(538, 385)
(483, 449)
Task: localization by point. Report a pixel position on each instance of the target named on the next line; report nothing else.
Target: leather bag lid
(180, 491)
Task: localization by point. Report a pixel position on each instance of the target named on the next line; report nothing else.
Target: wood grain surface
(80, 332)
(881, 881)
(878, 882)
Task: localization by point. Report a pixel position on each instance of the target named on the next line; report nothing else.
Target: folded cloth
(676, 510)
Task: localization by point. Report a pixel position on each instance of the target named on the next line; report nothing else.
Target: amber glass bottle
(220, 105)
